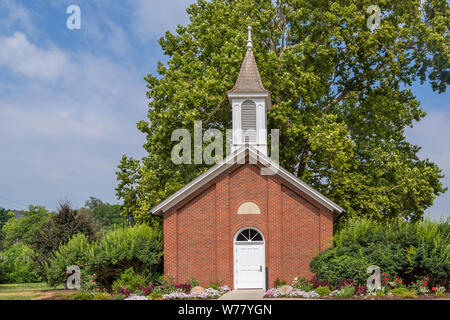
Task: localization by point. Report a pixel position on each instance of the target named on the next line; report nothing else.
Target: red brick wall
(199, 231)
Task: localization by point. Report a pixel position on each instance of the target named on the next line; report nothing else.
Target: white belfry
(250, 102)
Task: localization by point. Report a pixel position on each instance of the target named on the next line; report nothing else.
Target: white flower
(136, 297)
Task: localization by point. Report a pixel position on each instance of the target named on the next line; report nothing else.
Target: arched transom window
(249, 235)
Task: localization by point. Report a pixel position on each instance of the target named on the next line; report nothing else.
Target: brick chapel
(238, 224)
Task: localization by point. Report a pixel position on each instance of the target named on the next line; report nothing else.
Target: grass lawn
(28, 291)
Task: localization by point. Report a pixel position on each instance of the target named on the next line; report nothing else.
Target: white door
(249, 266)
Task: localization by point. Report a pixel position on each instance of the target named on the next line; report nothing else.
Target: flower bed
(295, 293)
(209, 293)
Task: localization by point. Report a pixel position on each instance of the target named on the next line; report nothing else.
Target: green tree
(17, 265)
(59, 229)
(21, 230)
(105, 214)
(341, 96)
(5, 215)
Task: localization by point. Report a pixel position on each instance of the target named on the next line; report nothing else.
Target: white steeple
(250, 102)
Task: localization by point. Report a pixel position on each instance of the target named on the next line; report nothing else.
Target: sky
(70, 99)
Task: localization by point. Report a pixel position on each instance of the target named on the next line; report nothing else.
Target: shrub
(88, 282)
(102, 296)
(119, 296)
(77, 251)
(320, 283)
(358, 290)
(17, 265)
(421, 286)
(156, 296)
(129, 280)
(380, 293)
(323, 291)
(147, 290)
(344, 292)
(403, 292)
(139, 247)
(409, 250)
(217, 284)
(126, 293)
(82, 296)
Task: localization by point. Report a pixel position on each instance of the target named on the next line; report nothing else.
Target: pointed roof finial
(249, 41)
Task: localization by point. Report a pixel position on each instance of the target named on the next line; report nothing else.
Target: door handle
(260, 268)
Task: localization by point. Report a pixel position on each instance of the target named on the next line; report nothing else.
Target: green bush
(155, 295)
(17, 265)
(129, 280)
(119, 296)
(403, 292)
(323, 291)
(139, 247)
(82, 296)
(380, 293)
(346, 292)
(410, 250)
(78, 251)
(102, 296)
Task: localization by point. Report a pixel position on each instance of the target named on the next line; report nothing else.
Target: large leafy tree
(22, 229)
(341, 96)
(107, 215)
(58, 230)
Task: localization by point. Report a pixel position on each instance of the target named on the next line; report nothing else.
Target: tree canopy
(21, 230)
(341, 96)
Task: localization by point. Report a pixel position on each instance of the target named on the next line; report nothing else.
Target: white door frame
(261, 243)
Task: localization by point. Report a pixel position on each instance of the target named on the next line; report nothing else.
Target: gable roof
(239, 157)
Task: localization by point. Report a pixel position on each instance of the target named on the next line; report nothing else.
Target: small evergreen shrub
(82, 296)
(344, 292)
(403, 292)
(156, 296)
(323, 291)
(102, 296)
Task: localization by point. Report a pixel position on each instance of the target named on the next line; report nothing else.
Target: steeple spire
(249, 41)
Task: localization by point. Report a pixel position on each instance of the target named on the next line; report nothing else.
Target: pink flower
(434, 288)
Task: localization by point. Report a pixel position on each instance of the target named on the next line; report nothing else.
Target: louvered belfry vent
(248, 121)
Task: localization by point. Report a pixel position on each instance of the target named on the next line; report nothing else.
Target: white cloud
(14, 16)
(20, 56)
(154, 18)
(65, 120)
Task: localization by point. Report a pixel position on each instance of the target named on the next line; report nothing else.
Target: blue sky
(70, 99)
